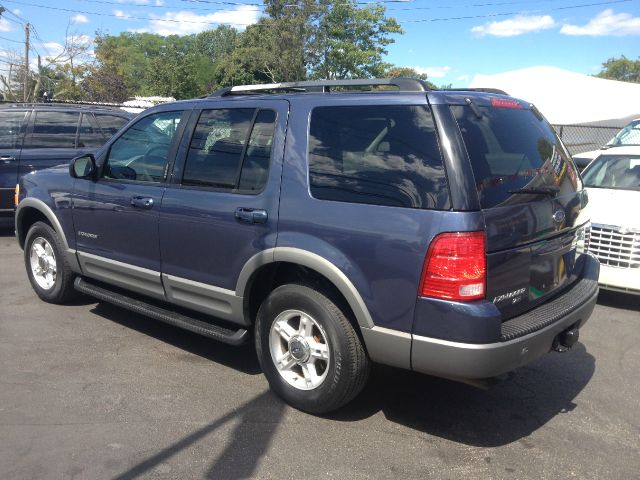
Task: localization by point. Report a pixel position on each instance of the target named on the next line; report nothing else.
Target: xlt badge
(92, 236)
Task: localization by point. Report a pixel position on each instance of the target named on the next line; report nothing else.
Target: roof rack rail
(55, 103)
(323, 86)
(484, 90)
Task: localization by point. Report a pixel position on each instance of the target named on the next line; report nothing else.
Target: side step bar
(216, 332)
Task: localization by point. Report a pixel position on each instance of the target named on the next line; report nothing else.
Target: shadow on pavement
(619, 300)
(507, 412)
(241, 358)
(257, 422)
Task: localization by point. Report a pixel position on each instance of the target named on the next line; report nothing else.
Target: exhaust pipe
(565, 340)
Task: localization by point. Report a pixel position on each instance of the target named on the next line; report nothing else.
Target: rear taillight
(455, 267)
(16, 195)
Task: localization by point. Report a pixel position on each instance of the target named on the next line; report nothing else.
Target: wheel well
(272, 275)
(27, 219)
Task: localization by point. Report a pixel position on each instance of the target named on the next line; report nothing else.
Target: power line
(470, 5)
(11, 40)
(22, 20)
(504, 14)
(195, 9)
(127, 17)
(424, 20)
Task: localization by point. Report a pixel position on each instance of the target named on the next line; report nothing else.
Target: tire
(49, 273)
(322, 362)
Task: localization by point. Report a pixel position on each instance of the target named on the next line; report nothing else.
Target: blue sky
(449, 40)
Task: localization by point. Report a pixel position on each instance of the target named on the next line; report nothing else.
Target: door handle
(251, 215)
(7, 158)
(142, 202)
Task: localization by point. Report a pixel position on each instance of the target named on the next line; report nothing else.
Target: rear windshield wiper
(550, 190)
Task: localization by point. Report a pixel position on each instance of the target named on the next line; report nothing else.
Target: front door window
(141, 153)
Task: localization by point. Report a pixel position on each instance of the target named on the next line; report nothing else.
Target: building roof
(566, 97)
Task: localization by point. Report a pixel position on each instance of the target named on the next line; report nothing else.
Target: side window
(141, 152)
(231, 149)
(255, 166)
(11, 129)
(53, 129)
(89, 135)
(110, 124)
(382, 155)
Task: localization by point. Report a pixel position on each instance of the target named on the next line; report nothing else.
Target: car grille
(614, 246)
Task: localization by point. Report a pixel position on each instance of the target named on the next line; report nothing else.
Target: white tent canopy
(566, 97)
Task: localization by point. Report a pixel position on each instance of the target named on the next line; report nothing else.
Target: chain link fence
(584, 138)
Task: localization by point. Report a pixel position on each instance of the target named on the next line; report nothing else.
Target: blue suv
(34, 136)
(337, 223)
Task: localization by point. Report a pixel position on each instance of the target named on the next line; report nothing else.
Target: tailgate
(531, 197)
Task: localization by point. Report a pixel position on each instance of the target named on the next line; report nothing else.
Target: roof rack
(485, 90)
(56, 103)
(322, 86)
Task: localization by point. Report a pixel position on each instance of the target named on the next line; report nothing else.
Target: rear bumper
(477, 361)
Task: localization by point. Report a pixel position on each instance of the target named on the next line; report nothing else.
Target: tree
(331, 39)
(171, 74)
(64, 72)
(621, 69)
(352, 40)
(102, 85)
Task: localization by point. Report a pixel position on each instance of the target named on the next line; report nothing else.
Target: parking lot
(90, 391)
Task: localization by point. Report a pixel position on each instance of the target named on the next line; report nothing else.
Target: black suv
(36, 136)
(439, 231)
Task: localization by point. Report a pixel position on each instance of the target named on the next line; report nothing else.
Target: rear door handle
(251, 215)
(7, 158)
(142, 202)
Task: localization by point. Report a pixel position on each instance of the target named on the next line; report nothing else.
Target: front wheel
(49, 273)
(309, 350)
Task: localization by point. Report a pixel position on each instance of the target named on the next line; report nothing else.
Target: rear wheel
(49, 273)
(309, 350)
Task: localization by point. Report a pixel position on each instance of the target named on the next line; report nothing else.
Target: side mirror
(83, 166)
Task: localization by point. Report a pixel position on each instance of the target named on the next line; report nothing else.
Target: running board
(216, 332)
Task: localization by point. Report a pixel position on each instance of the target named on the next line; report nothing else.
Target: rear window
(381, 155)
(512, 150)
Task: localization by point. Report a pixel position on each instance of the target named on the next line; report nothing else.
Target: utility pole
(26, 62)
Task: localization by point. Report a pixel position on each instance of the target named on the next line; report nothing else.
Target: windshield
(515, 155)
(614, 171)
(629, 135)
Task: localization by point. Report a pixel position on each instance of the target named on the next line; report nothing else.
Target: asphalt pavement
(90, 391)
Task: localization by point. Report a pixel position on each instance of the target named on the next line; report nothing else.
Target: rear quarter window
(381, 155)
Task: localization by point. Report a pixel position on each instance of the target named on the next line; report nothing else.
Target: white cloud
(5, 25)
(121, 14)
(433, 72)
(463, 78)
(606, 23)
(135, 2)
(79, 18)
(17, 11)
(159, 3)
(186, 23)
(53, 49)
(518, 25)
